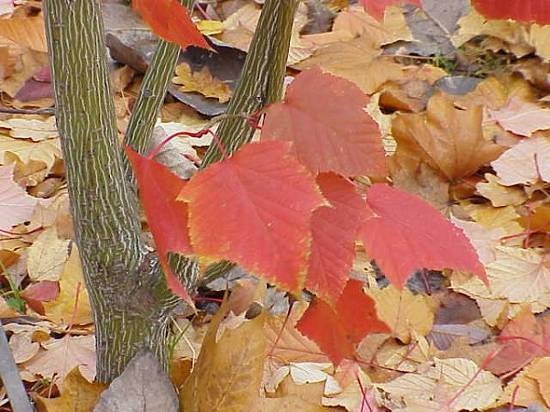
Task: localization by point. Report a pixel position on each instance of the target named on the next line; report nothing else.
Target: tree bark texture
(127, 291)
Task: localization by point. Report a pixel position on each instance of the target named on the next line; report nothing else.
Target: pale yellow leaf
(36, 130)
(403, 312)
(16, 206)
(500, 195)
(72, 304)
(25, 31)
(46, 151)
(519, 275)
(525, 163)
(47, 256)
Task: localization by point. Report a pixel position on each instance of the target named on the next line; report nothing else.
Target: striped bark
(128, 294)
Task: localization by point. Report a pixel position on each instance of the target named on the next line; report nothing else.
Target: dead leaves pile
(475, 146)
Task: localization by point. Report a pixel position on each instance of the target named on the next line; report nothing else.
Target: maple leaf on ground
(334, 230)
(447, 138)
(325, 118)
(523, 339)
(167, 218)
(39, 292)
(338, 331)
(255, 209)
(404, 234)
(171, 21)
(521, 10)
(16, 206)
(376, 8)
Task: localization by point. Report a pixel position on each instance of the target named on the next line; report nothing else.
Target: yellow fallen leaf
(403, 312)
(201, 82)
(46, 151)
(522, 391)
(228, 373)
(78, 395)
(500, 195)
(539, 370)
(66, 309)
(519, 275)
(47, 256)
(210, 27)
(25, 31)
(34, 129)
(454, 384)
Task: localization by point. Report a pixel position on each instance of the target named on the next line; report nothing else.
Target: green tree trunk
(128, 294)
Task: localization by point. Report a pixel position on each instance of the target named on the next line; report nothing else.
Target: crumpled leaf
(47, 256)
(266, 184)
(202, 82)
(325, 118)
(404, 234)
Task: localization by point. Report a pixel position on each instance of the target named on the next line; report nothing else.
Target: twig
(26, 111)
(10, 377)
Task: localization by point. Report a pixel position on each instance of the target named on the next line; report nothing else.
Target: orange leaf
(536, 11)
(170, 20)
(338, 331)
(255, 209)
(324, 116)
(167, 218)
(334, 230)
(404, 234)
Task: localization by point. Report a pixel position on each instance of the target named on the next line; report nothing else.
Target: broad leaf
(255, 209)
(167, 218)
(16, 206)
(404, 234)
(325, 118)
(536, 11)
(338, 331)
(334, 230)
(171, 21)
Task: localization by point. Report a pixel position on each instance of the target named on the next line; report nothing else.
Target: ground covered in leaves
(463, 106)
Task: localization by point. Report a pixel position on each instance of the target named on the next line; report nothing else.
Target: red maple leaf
(167, 218)
(170, 20)
(338, 331)
(255, 209)
(376, 7)
(325, 118)
(522, 339)
(537, 11)
(404, 234)
(334, 230)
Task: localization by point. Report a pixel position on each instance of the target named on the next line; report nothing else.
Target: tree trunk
(128, 294)
(129, 300)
